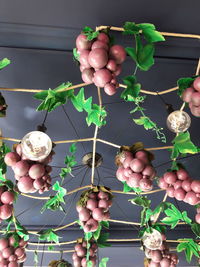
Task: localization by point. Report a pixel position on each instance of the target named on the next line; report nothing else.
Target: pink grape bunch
(100, 63)
(81, 250)
(31, 176)
(180, 185)
(7, 198)
(161, 257)
(93, 207)
(135, 169)
(191, 95)
(11, 256)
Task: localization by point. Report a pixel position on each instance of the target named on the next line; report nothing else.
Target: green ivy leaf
(97, 116)
(132, 53)
(126, 188)
(4, 149)
(190, 247)
(146, 122)
(141, 201)
(184, 83)
(97, 233)
(51, 99)
(73, 148)
(88, 235)
(152, 36)
(133, 89)
(70, 161)
(102, 240)
(130, 28)
(183, 144)
(90, 33)
(76, 55)
(4, 62)
(145, 55)
(174, 216)
(49, 235)
(36, 258)
(80, 103)
(105, 224)
(196, 229)
(103, 262)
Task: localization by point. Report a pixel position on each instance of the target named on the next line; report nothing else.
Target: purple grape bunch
(100, 63)
(31, 176)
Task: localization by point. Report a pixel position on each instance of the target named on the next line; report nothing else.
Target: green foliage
(174, 216)
(143, 55)
(51, 99)
(190, 247)
(20, 230)
(103, 262)
(49, 235)
(90, 33)
(102, 240)
(36, 258)
(184, 83)
(182, 144)
(76, 55)
(95, 114)
(141, 201)
(4, 149)
(133, 88)
(4, 62)
(70, 161)
(55, 202)
(127, 188)
(195, 227)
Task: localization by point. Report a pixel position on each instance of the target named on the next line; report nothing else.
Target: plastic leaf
(4, 62)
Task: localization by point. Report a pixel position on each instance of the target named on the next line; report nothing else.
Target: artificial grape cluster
(180, 185)
(93, 207)
(81, 249)
(100, 63)
(31, 176)
(11, 256)
(7, 198)
(191, 95)
(135, 169)
(161, 257)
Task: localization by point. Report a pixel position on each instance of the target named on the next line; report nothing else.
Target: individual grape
(111, 65)
(182, 174)
(7, 197)
(98, 214)
(81, 252)
(195, 111)
(195, 99)
(137, 165)
(120, 175)
(91, 225)
(170, 191)
(36, 171)
(179, 194)
(7, 252)
(191, 198)
(195, 186)
(87, 75)
(12, 258)
(82, 42)
(162, 184)
(103, 195)
(21, 167)
(170, 177)
(25, 184)
(99, 44)
(19, 149)
(38, 183)
(84, 58)
(104, 204)
(187, 94)
(127, 162)
(92, 204)
(13, 264)
(98, 58)
(145, 184)
(110, 88)
(118, 70)
(11, 158)
(118, 53)
(3, 244)
(102, 77)
(134, 180)
(84, 215)
(186, 185)
(156, 255)
(196, 84)
(103, 37)
(197, 218)
(5, 211)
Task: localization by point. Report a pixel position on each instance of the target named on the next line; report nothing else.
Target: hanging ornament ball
(36, 145)
(178, 121)
(152, 240)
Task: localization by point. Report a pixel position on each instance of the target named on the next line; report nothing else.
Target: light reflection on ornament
(36, 145)
(178, 121)
(152, 240)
